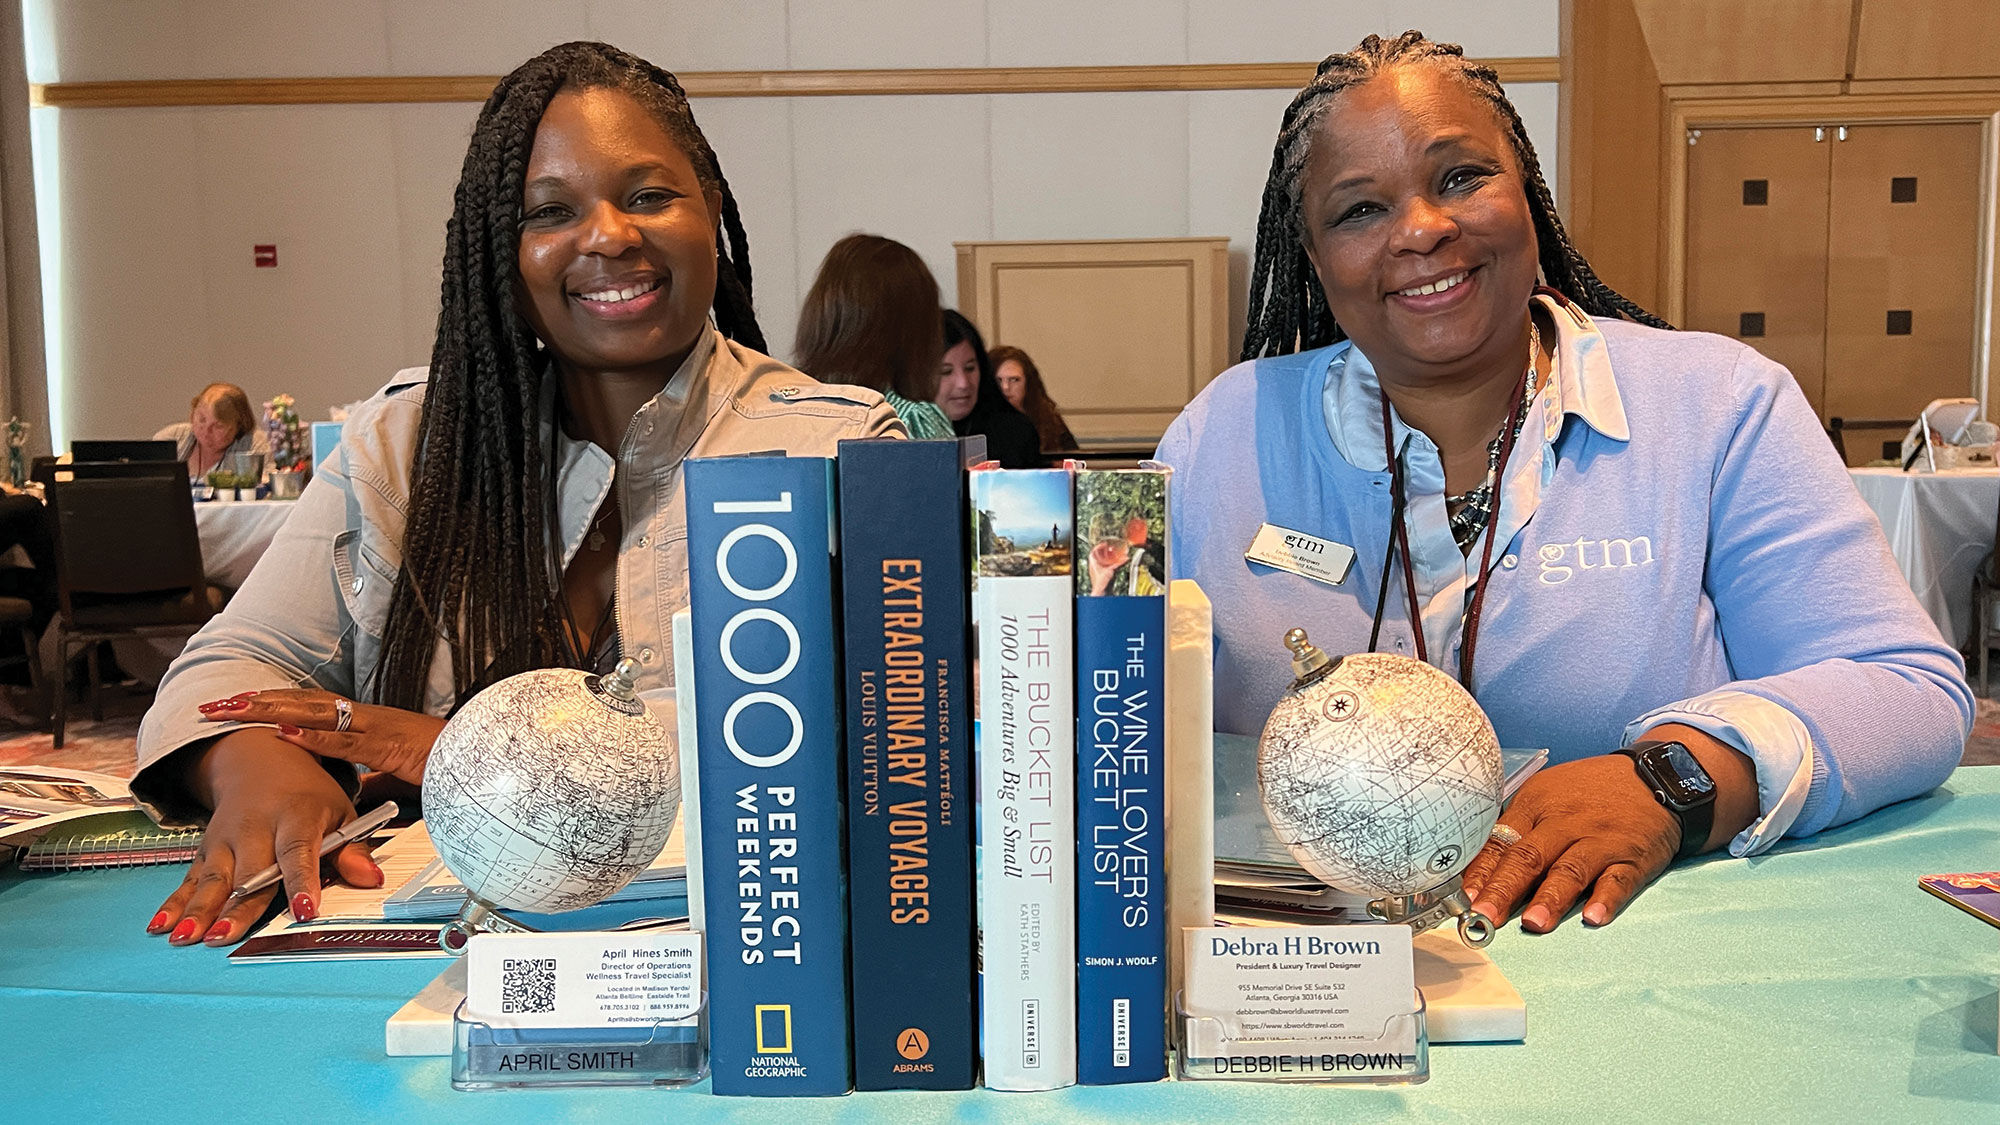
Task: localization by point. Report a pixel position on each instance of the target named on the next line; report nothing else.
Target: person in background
(1021, 382)
(1634, 546)
(516, 506)
(969, 396)
(220, 424)
(871, 320)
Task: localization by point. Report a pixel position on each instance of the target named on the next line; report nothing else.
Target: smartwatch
(1678, 782)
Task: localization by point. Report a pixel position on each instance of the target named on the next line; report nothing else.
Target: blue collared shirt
(1677, 543)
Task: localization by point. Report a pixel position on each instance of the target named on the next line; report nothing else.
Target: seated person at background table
(220, 424)
(972, 400)
(477, 520)
(1640, 533)
(1020, 383)
(871, 320)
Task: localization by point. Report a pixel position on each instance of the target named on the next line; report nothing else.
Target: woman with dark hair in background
(1021, 383)
(518, 506)
(969, 396)
(220, 424)
(871, 320)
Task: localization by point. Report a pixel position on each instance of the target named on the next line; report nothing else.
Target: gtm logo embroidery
(1615, 554)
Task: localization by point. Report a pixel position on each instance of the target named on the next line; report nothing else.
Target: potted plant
(291, 461)
(224, 483)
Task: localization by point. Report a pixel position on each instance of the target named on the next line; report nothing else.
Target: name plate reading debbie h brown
(1301, 1003)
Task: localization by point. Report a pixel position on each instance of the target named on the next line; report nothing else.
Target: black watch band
(1680, 784)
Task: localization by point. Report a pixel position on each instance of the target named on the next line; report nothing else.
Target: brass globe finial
(1306, 656)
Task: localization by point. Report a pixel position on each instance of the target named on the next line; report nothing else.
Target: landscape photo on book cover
(1025, 525)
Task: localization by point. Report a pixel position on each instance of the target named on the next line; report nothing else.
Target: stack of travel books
(892, 901)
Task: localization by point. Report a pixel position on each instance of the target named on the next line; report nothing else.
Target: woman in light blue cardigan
(1614, 534)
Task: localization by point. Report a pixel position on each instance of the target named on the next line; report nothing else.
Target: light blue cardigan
(1679, 544)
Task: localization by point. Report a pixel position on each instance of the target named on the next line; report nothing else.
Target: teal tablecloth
(1817, 982)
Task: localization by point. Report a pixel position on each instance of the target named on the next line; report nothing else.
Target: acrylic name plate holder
(1313, 1004)
(581, 1009)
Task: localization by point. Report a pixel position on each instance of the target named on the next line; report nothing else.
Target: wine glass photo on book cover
(549, 791)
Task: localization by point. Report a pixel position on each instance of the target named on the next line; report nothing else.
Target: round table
(1939, 526)
(235, 534)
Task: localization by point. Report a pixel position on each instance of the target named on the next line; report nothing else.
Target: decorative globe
(1379, 773)
(551, 789)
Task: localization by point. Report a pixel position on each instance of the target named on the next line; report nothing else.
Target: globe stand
(1427, 910)
(477, 916)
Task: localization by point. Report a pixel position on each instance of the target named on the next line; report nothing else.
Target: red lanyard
(1401, 535)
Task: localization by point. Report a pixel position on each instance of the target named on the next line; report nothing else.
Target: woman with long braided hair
(516, 506)
(1633, 545)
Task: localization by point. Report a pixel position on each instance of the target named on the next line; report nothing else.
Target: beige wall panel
(132, 297)
(1124, 332)
(912, 168)
(1221, 33)
(254, 38)
(748, 136)
(329, 324)
(1921, 256)
(1766, 41)
(1230, 135)
(479, 36)
(108, 40)
(1928, 39)
(695, 34)
(1769, 259)
(1515, 28)
(429, 146)
(834, 34)
(1099, 33)
(1090, 165)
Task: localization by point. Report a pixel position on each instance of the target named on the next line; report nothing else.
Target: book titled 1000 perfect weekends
(767, 713)
(1026, 751)
(907, 673)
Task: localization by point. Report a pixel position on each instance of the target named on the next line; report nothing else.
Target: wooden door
(1756, 243)
(1903, 258)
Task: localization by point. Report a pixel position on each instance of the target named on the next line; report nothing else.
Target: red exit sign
(265, 255)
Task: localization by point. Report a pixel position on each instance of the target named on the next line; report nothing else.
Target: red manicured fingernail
(303, 908)
(377, 869)
(183, 932)
(219, 931)
(288, 730)
(158, 923)
(225, 705)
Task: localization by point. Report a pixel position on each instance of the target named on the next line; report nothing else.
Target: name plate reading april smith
(1311, 1003)
(580, 1008)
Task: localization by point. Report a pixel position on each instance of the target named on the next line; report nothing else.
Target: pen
(340, 837)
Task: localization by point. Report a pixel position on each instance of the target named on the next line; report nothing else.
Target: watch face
(1677, 771)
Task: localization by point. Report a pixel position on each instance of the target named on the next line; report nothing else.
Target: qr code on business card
(527, 985)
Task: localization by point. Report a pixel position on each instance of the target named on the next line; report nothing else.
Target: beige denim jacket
(312, 613)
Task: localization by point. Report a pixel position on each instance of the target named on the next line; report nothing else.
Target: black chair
(128, 564)
(154, 449)
(45, 470)
(1835, 426)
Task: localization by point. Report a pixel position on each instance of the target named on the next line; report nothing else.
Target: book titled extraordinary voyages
(1025, 750)
(907, 672)
(767, 713)
(1121, 642)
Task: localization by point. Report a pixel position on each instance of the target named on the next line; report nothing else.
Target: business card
(583, 979)
(1259, 996)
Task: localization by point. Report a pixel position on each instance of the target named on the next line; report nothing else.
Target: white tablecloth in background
(1939, 526)
(235, 534)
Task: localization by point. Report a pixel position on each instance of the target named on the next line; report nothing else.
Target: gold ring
(1504, 835)
(343, 712)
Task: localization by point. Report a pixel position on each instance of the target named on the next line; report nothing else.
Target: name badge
(1308, 556)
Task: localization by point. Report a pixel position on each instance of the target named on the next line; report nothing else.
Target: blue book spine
(1121, 640)
(907, 670)
(767, 713)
